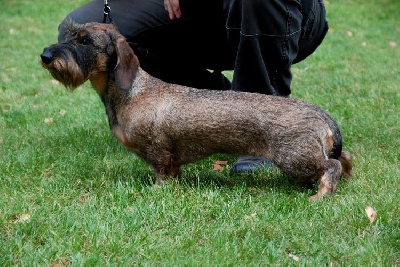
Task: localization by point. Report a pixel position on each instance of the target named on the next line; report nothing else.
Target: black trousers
(258, 39)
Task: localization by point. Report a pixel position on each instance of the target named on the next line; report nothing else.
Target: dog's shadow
(202, 175)
(267, 179)
(117, 164)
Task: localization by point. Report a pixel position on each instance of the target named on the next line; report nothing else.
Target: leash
(107, 12)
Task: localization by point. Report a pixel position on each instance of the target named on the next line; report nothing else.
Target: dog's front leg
(160, 177)
(157, 160)
(163, 174)
(164, 167)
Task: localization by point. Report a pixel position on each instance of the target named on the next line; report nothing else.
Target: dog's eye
(85, 41)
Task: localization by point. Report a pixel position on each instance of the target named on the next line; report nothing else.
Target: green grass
(71, 195)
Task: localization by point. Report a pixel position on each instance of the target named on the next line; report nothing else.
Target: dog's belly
(193, 141)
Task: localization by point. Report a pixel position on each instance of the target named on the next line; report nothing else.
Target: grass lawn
(71, 195)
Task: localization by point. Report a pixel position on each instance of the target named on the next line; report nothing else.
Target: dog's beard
(66, 72)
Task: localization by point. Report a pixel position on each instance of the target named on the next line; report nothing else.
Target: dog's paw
(316, 197)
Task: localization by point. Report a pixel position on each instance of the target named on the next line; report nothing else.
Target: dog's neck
(111, 95)
(99, 82)
(114, 97)
(143, 82)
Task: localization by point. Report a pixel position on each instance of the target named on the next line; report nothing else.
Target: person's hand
(173, 8)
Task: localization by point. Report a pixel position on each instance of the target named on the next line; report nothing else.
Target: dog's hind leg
(328, 180)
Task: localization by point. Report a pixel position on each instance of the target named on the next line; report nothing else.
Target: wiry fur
(169, 125)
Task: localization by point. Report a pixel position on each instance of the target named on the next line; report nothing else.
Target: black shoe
(251, 163)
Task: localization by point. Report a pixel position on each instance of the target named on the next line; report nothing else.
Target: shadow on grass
(200, 176)
(93, 158)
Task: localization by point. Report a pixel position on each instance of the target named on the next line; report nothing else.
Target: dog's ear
(127, 64)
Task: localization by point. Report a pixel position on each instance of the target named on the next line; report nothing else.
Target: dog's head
(89, 51)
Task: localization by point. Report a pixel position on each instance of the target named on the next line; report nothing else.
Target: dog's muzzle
(47, 56)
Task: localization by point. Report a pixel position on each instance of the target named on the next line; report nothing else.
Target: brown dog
(169, 125)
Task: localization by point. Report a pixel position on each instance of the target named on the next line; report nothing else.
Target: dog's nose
(46, 56)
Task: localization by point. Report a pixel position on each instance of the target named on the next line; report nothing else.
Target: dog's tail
(346, 160)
